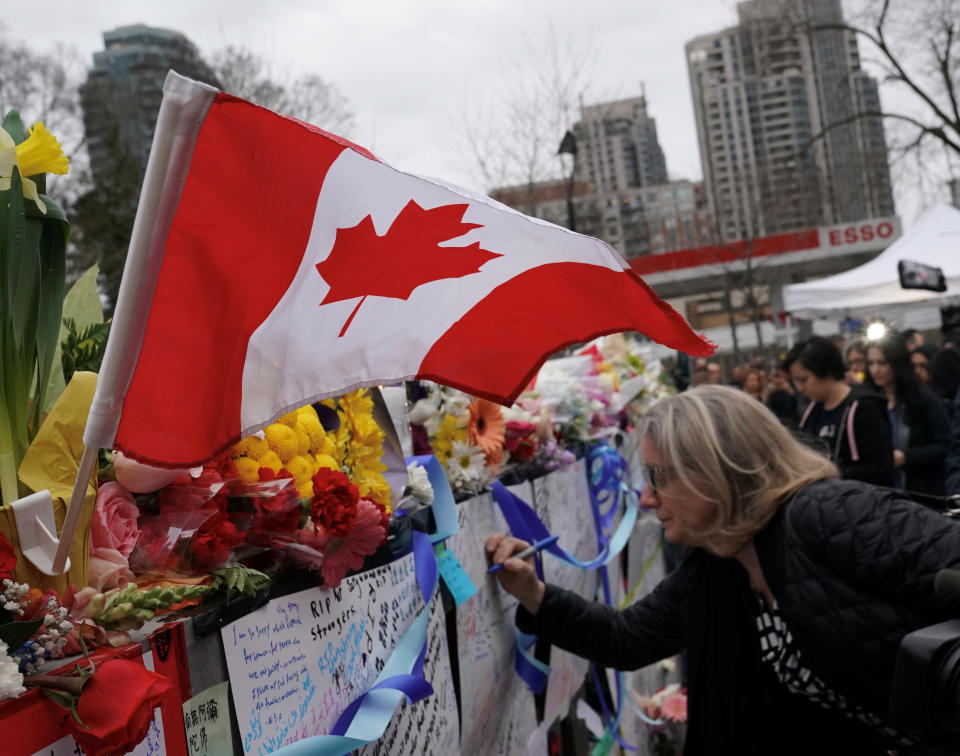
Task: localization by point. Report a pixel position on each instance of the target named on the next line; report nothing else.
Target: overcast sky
(410, 68)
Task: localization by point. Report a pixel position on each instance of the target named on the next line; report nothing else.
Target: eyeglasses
(656, 477)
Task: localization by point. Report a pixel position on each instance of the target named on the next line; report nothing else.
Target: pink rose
(114, 523)
(108, 568)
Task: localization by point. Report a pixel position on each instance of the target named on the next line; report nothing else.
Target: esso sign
(842, 236)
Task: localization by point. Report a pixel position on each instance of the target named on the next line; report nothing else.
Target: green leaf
(14, 126)
(53, 260)
(23, 264)
(15, 634)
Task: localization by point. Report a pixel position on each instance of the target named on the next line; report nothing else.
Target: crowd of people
(882, 409)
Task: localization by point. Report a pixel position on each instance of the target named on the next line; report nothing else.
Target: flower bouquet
(466, 434)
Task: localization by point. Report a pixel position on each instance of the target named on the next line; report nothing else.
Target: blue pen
(529, 551)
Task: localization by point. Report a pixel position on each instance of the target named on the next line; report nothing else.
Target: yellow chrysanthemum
(449, 430)
(290, 419)
(39, 153)
(303, 439)
(282, 440)
(271, 460)
(325, 460)
(299, 468)
(307, 411)
(248, 469)
(311, 424)
(374, 486)
(305, 489)
(252, 446)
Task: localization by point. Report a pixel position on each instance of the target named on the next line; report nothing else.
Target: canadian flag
(273, 264)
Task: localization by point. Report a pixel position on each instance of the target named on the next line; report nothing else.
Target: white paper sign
(429, 727)
(297, 663)
(499, 714)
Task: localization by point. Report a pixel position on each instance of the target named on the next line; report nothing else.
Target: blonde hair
(729, 448)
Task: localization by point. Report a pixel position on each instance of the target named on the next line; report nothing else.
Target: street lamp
(568, 146)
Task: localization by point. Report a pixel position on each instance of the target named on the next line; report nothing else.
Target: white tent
(874, 288)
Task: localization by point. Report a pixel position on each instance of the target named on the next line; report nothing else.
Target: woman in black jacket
(792, 602)
(848, 422)
(919, 423)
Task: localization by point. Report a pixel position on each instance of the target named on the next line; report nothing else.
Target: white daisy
(466, 468)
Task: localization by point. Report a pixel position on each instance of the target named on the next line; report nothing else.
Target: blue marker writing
(529, 551)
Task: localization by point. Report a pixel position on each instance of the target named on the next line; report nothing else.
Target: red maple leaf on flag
(363, 264)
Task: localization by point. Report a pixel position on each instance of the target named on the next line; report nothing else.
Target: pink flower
(114, 523)
(674, 708)
(347, 553)
(108, 568)
(308, 549)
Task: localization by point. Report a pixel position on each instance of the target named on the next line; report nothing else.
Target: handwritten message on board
(206, 721)
(429, 727)
(296, 663)
(498, 709)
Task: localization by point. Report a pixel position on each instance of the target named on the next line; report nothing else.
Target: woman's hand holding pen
(518, 576)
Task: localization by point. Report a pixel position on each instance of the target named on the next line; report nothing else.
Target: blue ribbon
(607, 490)
(443, 506)
(367, 717)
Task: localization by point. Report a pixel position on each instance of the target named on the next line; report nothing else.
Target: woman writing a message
(792, 602)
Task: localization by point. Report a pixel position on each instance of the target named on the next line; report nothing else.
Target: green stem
(8, 469)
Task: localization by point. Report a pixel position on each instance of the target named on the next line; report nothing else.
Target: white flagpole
(184, 106)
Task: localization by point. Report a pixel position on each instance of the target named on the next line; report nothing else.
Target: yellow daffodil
(39, 153)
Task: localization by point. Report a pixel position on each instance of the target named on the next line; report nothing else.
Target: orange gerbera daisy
(486, 429)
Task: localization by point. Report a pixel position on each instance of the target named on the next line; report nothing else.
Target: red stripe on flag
(543, 310)
(236, 242)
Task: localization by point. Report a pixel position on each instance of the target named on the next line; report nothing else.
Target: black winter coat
(927, 444)
(852, 570)
(863, 448)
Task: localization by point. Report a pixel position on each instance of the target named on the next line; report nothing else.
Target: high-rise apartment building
(776, 101)
(123, 90)
(617, 147)
(121, 99)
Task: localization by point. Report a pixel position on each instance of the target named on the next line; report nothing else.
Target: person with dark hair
(919, 423)
(913, 339)
(848, 421)
(855, 356)
(922, 358)
(781, 400)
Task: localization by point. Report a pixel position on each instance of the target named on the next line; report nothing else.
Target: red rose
(117, 706)
(278, 515)
(334, 503)
(520, 440)
(8, 558)
(186, 494)
(214, 540)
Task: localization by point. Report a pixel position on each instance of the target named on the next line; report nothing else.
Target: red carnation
(214, 540)
(334, 503)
